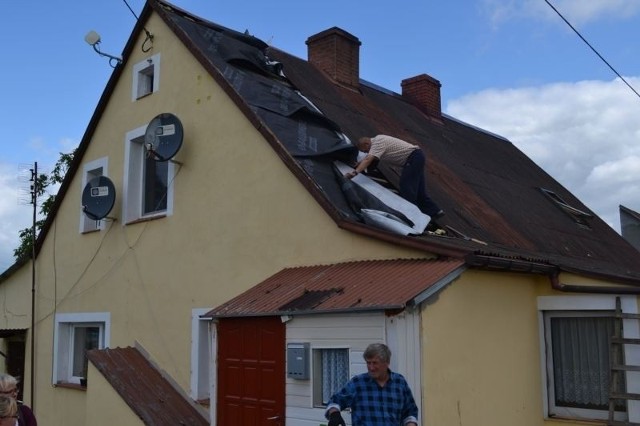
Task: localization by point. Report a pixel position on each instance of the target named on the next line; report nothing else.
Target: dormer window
(146, 77)
(578, 216)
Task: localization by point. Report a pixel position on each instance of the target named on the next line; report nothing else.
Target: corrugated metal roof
(150, 394)
(351, 286)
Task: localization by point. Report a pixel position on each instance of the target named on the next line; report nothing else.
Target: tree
(44, 182)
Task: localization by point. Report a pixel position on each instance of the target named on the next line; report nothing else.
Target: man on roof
(409, 159)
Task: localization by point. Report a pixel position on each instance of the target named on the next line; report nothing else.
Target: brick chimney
(337, 53)
(424, 92)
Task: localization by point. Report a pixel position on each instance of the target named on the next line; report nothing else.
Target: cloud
(582, 12)
(578, 12)
(583, 134)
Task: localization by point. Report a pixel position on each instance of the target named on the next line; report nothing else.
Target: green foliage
(44, 181)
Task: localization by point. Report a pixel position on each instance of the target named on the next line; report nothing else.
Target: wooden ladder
(619, 367)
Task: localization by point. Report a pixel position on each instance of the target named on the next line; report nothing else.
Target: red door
(251, 378)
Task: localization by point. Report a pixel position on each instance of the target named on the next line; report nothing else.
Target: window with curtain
(578, 350)
(85, 338)
(75, 334)
(330, 373)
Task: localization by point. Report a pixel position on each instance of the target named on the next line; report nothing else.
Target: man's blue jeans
(412, 184)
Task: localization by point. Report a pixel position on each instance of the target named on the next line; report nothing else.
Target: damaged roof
(343, 287)
(499, 204)
(145, 389)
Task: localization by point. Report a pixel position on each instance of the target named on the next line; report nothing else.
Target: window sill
(146, 95)
(204, 402)
(146, 219)
(74, 386)
(90, 231)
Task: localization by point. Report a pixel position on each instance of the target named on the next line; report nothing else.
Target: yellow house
(205, 219)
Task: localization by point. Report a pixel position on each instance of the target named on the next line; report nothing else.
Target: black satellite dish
(163, 137)
(98, 197)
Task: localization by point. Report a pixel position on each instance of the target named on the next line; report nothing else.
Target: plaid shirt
(372, 405)
(390, 150)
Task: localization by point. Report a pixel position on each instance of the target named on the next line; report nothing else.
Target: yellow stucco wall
(15, 300)
(239, 216)
(101, 394)
(467, 380)
(481, 351)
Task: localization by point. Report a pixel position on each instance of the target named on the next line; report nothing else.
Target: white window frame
(141, 77)
(63, 341)
(316, 371)
(133, 182)
(200, 355)
(606, 302)
(91, 170)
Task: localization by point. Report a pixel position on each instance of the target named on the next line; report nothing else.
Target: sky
(512, 67)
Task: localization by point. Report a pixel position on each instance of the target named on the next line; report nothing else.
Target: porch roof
(351, 286)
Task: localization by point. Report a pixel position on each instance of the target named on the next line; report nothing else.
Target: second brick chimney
(337, 53)
(424, 92)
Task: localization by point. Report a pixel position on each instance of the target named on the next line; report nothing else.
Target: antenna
(93, 39)
(98, 197)
(163, 137)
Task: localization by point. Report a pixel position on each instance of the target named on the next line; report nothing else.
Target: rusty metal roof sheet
(150, 394)
(351, 286)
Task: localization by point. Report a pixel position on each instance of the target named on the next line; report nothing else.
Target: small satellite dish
(98, 197)
(163, 137)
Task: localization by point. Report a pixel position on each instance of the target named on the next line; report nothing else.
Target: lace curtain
(581, 361)
(335, 371)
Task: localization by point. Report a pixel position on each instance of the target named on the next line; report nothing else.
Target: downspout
(574, 288)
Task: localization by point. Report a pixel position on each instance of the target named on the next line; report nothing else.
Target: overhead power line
(592, 48)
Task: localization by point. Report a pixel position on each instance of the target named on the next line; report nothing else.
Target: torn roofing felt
(308, 135)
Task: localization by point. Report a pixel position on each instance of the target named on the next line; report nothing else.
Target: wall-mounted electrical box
(298, 361)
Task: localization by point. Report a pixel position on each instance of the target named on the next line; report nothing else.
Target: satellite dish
(98, 197)
(163, 137)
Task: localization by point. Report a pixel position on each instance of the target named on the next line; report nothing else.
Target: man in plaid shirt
(378, 397)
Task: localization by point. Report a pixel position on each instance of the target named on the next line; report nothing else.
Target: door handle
(273, 418)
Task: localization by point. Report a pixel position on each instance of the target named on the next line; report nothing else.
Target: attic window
(146, 77)
(577, 215)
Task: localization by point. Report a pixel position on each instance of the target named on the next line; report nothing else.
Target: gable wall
(15, 295)
(239, 216)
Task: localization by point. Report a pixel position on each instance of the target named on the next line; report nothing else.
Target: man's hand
(335, 419)
(351, 174)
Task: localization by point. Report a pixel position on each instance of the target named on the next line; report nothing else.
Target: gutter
(576, 288)
(509, 264)
(552, 271)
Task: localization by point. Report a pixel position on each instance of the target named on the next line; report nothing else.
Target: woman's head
(8, 385)
(8, 410)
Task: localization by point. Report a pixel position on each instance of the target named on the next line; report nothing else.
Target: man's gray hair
(379, 350)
